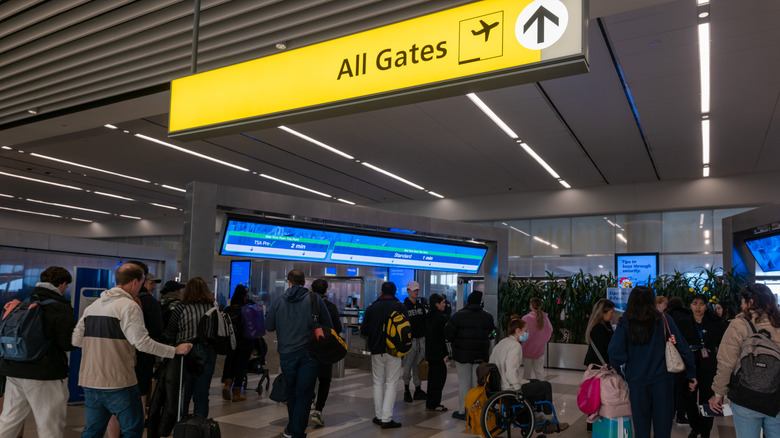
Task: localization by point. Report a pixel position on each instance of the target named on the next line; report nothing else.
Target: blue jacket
(646, 364)
(291, 317)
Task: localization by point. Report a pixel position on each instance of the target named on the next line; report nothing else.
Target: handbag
(589, 393)
(324, 343)
(279, 390)
(422, 369)
(674, 362)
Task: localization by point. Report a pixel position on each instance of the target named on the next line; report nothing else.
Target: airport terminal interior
(543, 140)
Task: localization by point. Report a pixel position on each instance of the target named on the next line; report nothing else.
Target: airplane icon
(485, 29)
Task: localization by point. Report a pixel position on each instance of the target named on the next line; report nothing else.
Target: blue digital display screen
(240, 272)
(264, 240)
(639, 269)
(766, 251)
(401, 277)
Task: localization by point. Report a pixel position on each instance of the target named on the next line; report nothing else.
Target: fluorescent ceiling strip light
(89, 167)
(113, 196)
(345, 201)
(704, 66)
(392, 175)
(7, 148)
(164, 206)
(80, 220)
(295, 185)
(30, 212)
(41, 181)
(110, 126)
(540, 160)
(317, 142)
(705, 141)
(706, 171)
(187, 151)
(702, 2)
(67, 206)
(435, 194)
(620, 236)
(520, 231)
(539, 239)
(488, 112)
(173, 188)
(564, 183)
(129, 217)
(701, 219)
(6, 196)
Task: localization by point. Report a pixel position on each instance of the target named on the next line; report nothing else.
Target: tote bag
(674, 362)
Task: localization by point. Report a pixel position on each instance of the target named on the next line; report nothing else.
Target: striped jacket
(109, 331)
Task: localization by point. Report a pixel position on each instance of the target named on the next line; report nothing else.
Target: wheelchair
(511, 413)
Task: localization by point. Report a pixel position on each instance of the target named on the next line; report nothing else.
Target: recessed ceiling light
(164, 206)
(187, 151)
(7, 148)
(488, 112)
(121, 175)
(392, 175)
(281, 46)
(173, 188)
(6, 196)
(435, 194)
(114, 196)
(30, 212)
(55, 204)
(520, 231)
(41, 181)
(129, 217)
(345, 201)
(33, 110)
(297, 186)
(80, 220)
(704, 14)
(539, 160)
(564, 183)
(317, 142)
(110, 126)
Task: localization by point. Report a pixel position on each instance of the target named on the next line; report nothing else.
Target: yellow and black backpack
(398, 334)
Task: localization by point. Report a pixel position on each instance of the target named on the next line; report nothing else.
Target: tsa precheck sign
(482, 45)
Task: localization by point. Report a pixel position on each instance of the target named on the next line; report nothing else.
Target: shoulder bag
(674, 362)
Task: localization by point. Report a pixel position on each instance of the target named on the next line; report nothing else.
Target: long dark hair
(239, 295)
(641, 315)
(764, 303)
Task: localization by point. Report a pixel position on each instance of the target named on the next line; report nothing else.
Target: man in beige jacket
(109, 332)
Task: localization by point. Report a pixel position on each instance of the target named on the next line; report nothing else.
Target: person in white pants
(386, 370)
(539, 333)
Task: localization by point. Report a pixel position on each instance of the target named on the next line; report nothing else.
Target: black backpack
(755, 383)
(21, 330)
(324, 343)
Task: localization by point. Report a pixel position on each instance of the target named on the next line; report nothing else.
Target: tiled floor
(350, 409)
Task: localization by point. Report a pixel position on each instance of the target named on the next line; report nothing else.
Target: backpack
(21, 331)
(253, 320)
(589, 395)
(324, 343)
(476, 399)
(398, 334)
(215, 329)
(755, 383)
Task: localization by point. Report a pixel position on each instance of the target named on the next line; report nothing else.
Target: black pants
(236, 362)
(705, 373)
(651, 405)
(437, 376)
(324, 376)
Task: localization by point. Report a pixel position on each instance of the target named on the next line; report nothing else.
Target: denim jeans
(300, 374)
(125, 403)
(197, 387)
(748, 423)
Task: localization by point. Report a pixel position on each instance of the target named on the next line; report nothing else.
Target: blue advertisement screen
(766, 251)
(639, 269)
(252, 239)
(240, 272)
(401, 277)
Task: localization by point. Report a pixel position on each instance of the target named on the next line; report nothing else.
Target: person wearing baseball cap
(416, 312)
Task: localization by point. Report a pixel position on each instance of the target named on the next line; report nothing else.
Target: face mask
(523, 338)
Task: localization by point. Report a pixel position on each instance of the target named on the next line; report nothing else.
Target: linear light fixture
(41, 181)
(345, 201)
(430, 192)
(520, 231)
(46, 157)
(392, 175)
(129, 217)
(173, 188)
(621, 237)
(295, 185)
(539, 160)
(6, 196)
(564, 183)
(488, 112)
(704, 66)
(73, 207)
(80, 220)
(113, 196)
(316, 142)
(187, 151)
(164, 206)
(110, 126)
(30, 212)
(539, 239)
(705, 141)
(6, 148)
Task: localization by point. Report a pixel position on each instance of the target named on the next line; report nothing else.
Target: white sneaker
(285, 434)
(316, 417)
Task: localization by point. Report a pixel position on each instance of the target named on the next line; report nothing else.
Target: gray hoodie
(291, 317)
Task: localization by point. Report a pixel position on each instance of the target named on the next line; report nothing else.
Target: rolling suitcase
(193, 426)
(612, 427)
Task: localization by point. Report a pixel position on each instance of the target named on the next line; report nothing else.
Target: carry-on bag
(193, 426)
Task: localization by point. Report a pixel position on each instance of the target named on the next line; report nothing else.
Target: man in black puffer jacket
(41, 385)
(469, 331)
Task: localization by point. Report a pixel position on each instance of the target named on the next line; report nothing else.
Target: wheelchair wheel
(505, 411)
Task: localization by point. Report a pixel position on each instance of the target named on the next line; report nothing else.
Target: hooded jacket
(109, 331)
(291, 318)
(469, 331)
(58, 323)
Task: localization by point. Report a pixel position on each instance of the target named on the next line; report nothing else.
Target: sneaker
(681, 420)
(458, 416)
(377, 421)
(316, 417)
(286, 434)
(390, 425)
(408, 397)
(439, 408)
(419, 394)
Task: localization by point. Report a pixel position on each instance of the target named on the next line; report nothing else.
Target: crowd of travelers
(127, 333)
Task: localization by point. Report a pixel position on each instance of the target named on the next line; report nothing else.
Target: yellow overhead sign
(478, 46)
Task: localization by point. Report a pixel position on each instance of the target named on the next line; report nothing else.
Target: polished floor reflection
(350, 409)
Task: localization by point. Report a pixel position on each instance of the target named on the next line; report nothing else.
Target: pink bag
(589, 396)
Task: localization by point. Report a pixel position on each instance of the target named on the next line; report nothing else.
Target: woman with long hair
(759, 306)
(507, 354)
(539, 332)
(196, 300)
(234, 369)
(599, 332)
(435, 352)
(639, 344)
